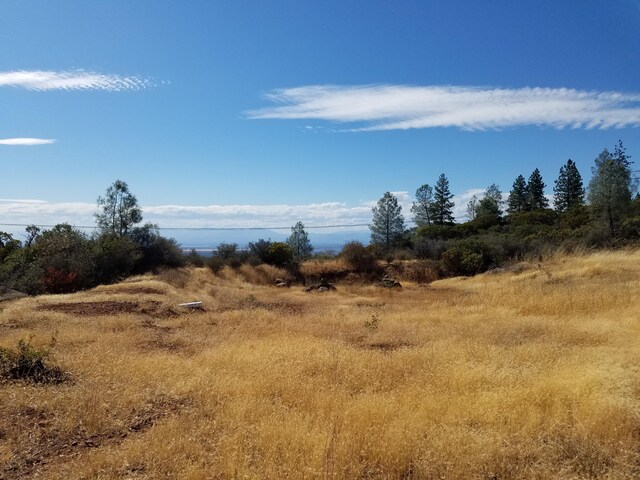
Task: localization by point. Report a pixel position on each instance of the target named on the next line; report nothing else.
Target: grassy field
(533, 372)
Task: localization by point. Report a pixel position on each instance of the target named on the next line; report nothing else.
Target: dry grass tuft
(532, 372)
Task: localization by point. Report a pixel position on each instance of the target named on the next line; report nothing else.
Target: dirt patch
(370, 304)
(153, 308)
(133, 290)
(47, 444)
(251, 302)
(386, 347)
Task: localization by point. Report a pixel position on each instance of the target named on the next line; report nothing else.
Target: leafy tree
(260, 249)
(535, 189)
(119, 210)
(157, 251)
(299, 242)
(610, 188)
(32, 233)
(114, 257)
(423, 205)
(8, 245)
(490, 205)
(226, 250)
(63, 259)
(387, 226)
(568, 191)
(518, 200)
(472, 208)
(442, 212)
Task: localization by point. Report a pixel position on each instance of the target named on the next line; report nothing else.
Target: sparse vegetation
(27, 362)
(526, 373)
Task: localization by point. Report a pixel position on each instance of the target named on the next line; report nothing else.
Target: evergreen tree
(518, 200)
(299, 242)
(535, 189)
(611, 186)
(442, 211)
(568, 191)
(422, 206)
(387, 226)
(491, 204)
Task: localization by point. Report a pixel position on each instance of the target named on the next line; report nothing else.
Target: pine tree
(611, 186)
(535, 188)
(568, 191)
(491, 204)
(299, 242)
(442, 212)
(387, 226)
(518, 200)
(422, 206)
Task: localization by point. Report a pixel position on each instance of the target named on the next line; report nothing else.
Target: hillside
(531, 372)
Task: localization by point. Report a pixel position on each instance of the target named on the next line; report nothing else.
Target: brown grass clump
(528, 373)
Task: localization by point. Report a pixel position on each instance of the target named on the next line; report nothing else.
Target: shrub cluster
(29, 363)
(64, 259)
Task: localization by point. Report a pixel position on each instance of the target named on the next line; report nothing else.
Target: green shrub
(114, 257)
(279, 254)
(467, 257)
(27, 362)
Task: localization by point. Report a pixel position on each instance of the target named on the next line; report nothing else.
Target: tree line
(605, 214)
(65, 259)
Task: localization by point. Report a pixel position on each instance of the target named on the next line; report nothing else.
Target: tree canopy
(568, 191)
(387, 226)
(423, 205)
(611, 186)
(299, 242)
(119, 210)
(442, 211)
(535, 190)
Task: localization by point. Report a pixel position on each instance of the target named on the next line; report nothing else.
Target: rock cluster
(323, 286)
(389, 282)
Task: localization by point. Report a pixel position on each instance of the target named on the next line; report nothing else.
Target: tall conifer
(568, 191)
(535, 188)
(442, 205)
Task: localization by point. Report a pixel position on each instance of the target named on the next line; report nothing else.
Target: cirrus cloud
(402, 107)
(42, 80)
(26, 141)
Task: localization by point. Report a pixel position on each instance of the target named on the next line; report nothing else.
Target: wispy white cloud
(231, 216)
(26, 141)
(42, 80)
(401, 107)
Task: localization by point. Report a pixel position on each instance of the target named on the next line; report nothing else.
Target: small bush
(194, 259)
(29, 363)
(428, 248)
(216, 264)
(358, 257)
(420, 271)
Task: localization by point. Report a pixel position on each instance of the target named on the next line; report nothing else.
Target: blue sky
(265, 113)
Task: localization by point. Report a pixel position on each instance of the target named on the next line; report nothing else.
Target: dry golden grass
(532, 373)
